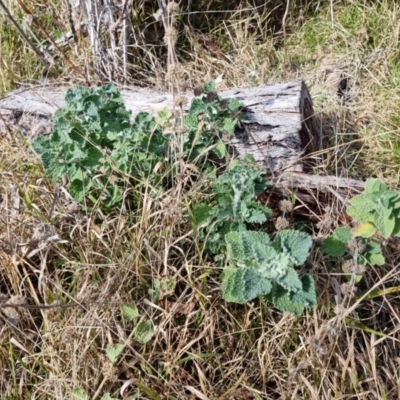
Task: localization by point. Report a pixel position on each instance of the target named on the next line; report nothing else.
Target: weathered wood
(309, 187)
(279, 127)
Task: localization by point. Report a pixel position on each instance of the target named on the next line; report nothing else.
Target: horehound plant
(254, 265)
(376, 213)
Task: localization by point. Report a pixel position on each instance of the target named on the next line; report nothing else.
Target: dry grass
(204, 348)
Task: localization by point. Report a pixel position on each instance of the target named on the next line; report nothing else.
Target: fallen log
(278, 130)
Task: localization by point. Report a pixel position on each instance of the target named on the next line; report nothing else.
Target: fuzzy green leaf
(220, 149)
(296, 244)
(249, 159)
(373, 185)
(144, 331)
(114, 351)
(333, 246)
(343, 234)
(365, 230)
(209, 87)
(295, 303)
(234, 104)
(258, 214)
(240, 245)
(164, 117)
(80, 394)
(384, 223)
(240, 285)
(291, 281)
(375, 259)
(77, 190)
(229, 125)
(252, 250)
(198, 106)
(201, 214)
(129, 313)
(361, 208)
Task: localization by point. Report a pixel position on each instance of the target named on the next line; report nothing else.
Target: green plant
(160, 288)
(95, 144)
(210, 114)
(376, 209)
(233, 205)
(257, 266)
(363, 250)
(101, 151)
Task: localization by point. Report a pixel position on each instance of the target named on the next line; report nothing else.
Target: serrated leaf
(295, 302)
(229, 125)
(283, 303)
(143, 118)
(201, 214)
(77, 190)
(291, 281)
(373, 248)
(144, 331)
(258, 214)
(361, 208)
(191, 121)
(373, 185)
(343, 233)
(365, 230)
(375, 259)
(240, 285)
(240, 243)
(307, 295)
(114, 351)
(234, 104)
(129, 313)
(333, 246)
(249, 158)
(154, 294)
(209, 87)
(295, 243)
(198, 106)
(385, 224)
(164, 117)
(75, 155)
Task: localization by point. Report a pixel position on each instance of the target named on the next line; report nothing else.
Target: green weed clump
(376, 214)
(97, 147)
(102, 152)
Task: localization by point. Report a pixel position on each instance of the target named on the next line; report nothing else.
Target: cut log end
(280, 128)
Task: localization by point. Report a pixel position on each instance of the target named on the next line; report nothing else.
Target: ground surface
(202, 346)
